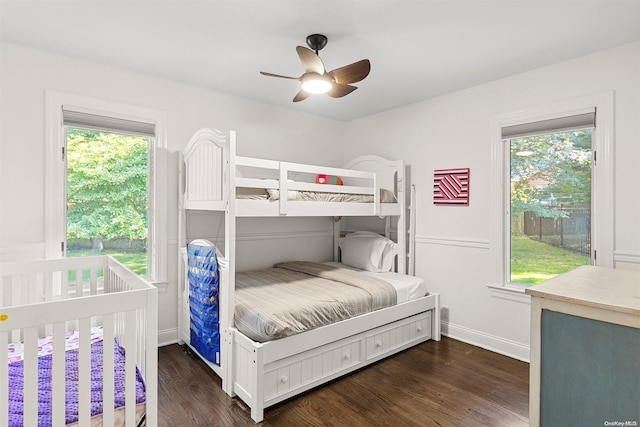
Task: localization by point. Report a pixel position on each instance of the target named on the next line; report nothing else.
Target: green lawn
(135, 261)
(534, 262)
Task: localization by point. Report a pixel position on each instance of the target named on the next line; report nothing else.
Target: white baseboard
(167, 336)
(489, 342)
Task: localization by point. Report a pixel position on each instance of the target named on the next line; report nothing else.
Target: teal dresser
(585, 349)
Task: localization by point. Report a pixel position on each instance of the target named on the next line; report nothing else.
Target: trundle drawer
(387, 339)
(311, 367)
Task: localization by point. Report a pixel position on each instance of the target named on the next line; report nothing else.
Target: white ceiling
(418, 49)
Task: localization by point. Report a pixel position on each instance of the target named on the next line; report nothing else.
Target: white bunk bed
(65, 325)
(265, 373)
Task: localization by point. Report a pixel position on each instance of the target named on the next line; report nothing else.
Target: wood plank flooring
(445, 383)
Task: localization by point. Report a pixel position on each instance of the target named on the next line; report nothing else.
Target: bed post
(257, 407)
(411, 256)
(401, 227)
(181, 243)
(151, 357)
(435, 321)
(229, 279)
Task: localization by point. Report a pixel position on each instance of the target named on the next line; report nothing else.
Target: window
(549, 197)
(553, 186)
(104, 187)
(107, 195)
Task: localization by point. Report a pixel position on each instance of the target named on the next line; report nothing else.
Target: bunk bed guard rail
(204, 281)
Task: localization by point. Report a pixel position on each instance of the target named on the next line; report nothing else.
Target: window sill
(509, 293)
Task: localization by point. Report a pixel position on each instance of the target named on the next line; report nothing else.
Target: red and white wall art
(451, 186)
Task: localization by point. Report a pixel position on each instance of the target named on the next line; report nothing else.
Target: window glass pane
(550, 205)
(107, 196)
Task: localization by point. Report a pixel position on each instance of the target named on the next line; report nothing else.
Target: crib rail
(52, 297)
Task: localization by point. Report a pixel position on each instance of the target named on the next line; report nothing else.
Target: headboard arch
(389, 173)
(206, 159)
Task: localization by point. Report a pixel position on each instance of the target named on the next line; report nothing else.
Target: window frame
(602, 178)
(55, 173)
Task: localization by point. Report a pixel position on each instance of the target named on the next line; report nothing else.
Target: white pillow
(274, 194)
(368, 251)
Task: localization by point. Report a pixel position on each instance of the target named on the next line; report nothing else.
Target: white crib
(74, 297)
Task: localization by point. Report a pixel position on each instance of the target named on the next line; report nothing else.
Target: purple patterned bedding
(16, 407)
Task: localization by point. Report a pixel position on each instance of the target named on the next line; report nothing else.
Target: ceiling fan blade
(351, 73)
(310, 61)
(338, 90)
(301, 96)
(264, 73)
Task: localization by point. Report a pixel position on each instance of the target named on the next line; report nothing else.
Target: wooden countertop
(606, 288)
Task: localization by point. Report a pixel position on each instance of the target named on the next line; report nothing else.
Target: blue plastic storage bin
(204, 280)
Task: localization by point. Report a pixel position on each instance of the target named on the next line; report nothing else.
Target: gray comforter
(298, 296)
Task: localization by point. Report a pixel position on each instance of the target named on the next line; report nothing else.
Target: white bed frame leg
(435, 322)
(257, 405)
(226, 362)
(182, 243)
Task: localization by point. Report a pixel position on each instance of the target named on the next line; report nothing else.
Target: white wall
(26, 74)
(453, 243)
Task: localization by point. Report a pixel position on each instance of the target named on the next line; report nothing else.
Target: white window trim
(55, 186)
(602, 238)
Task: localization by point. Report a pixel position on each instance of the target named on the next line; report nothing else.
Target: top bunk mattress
(246, 193)
(263, 202)
(295, 297)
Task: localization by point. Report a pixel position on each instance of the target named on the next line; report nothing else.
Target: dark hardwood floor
(446, 383)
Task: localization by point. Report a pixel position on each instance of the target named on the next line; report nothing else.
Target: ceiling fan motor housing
(316, 42)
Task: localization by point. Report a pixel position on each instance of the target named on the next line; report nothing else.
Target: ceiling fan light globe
(316, 84)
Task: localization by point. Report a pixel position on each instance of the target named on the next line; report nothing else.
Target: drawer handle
(284, 380)
(419, 329)
(378, 344)
(347, 356)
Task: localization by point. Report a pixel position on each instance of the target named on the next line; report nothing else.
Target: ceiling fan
(335, 83)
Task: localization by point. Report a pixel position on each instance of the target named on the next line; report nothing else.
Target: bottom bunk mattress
(294, 297)
(45, 364)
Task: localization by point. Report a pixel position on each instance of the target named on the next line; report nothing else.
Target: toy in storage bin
(204, 280)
